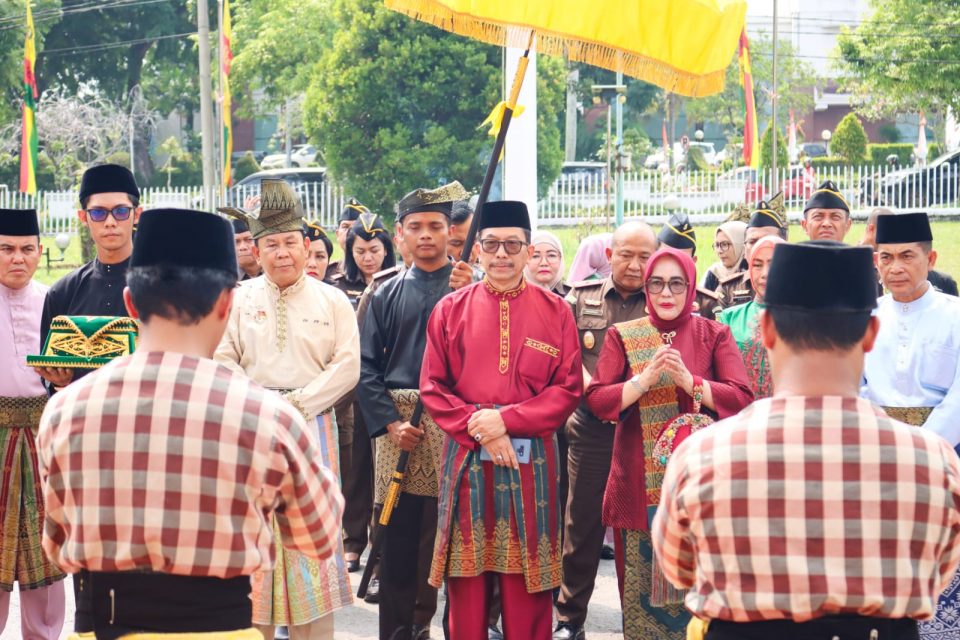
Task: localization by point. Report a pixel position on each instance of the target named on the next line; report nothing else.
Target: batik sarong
(300, 590)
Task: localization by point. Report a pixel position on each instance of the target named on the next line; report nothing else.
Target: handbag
(681, 427)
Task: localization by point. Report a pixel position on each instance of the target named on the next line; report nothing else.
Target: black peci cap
(107, 178)
(678, 232)
(822, 276)
(903, 228)
(504, 213)
(184, 238)
(19, 222)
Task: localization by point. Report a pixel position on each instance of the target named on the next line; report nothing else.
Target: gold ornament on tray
(86, 342)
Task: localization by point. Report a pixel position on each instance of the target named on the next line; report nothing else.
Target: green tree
(794, 79)
(245, 166)
(766, 150)
(273, 40)
(395, 104)
(903, 70)
(13, 16)
(849, 140)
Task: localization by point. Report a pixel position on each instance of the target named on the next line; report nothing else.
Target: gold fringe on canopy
(695, 68)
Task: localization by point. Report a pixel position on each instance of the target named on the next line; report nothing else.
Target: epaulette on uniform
(386, 274)
(731, 277)
(585, 283)
(713, 295)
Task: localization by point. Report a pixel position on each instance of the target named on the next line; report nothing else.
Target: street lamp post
(606, 94)
(826, 135)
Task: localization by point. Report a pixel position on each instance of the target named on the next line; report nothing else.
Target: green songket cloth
(744, 323)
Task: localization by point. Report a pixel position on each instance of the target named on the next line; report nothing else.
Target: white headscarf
(545, 237)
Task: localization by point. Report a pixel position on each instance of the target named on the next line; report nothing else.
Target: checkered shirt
(170, 463)
(803, 507)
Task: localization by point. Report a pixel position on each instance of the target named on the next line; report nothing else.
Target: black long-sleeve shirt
(392, 341)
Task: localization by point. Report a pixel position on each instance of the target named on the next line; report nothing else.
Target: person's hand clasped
(501, 452)
(461, 276)
(672, 365)
(485, 425)
(404, 435)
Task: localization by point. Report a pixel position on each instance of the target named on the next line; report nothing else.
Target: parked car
(302, 155)
(300, 179)
(586, 170)
(919, 186)
(813, 150)
(798, 187)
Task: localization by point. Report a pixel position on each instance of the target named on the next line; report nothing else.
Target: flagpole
(221, 165)
(773, 102)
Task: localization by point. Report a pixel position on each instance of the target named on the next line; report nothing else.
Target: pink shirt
(20, 311)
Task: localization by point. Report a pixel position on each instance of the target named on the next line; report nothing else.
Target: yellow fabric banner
(683, 46)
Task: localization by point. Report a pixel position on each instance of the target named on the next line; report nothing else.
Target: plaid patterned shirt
(170, 463)
(802, 507)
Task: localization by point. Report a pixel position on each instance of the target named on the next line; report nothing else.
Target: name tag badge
(521, 447)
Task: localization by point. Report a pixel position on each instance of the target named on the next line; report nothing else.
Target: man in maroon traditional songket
(501, 373)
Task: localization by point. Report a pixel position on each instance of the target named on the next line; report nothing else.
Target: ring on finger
(478, 436)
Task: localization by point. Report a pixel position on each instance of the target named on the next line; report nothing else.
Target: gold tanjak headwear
(280, 210)
(440, 199)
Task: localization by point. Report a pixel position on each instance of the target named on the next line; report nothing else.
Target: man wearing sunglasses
(109, 208)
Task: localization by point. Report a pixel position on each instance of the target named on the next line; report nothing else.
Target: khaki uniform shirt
(597, 305)
(735, 289)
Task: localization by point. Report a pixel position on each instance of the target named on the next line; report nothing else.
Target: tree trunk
(572, 115)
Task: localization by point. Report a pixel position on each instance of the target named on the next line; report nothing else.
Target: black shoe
(494, 633)
(353, 565)
(373, 592)
(282, 633)
(419, 632)
(606, 553)
(566, 631)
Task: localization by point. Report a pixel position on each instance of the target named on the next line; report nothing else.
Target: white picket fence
(707, 196)
(58, 209)
(710, 195)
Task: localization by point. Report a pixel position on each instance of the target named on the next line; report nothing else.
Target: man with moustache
(826, 216)
(247, 264)
(596, 305)
(22, 399)
(296, 335)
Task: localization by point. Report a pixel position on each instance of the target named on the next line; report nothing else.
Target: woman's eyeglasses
(512, 247)
(676, 285)
(722, 246)
(99, 214)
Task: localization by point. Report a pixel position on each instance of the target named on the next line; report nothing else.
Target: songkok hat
(313, 231)
(439, 200)
(827, 196)
(505, 213)
(352, 210)
(19, 222)
(806, 277)
(239, 226)
(769, 213)
(678, 232)
(107, 178)
(279, 211)
(159, 241)
(903, 228)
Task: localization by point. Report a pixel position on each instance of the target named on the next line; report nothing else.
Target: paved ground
(359, 622)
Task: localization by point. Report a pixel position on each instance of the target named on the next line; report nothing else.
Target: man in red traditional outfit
(501, 373)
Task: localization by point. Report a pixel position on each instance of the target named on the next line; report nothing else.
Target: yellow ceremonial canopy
(683, 46)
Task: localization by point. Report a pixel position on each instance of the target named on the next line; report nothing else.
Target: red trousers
(525, 615)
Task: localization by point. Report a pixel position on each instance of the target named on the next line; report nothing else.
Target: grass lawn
(946, 236)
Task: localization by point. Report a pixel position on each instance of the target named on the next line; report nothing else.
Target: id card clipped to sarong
(521, 447)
